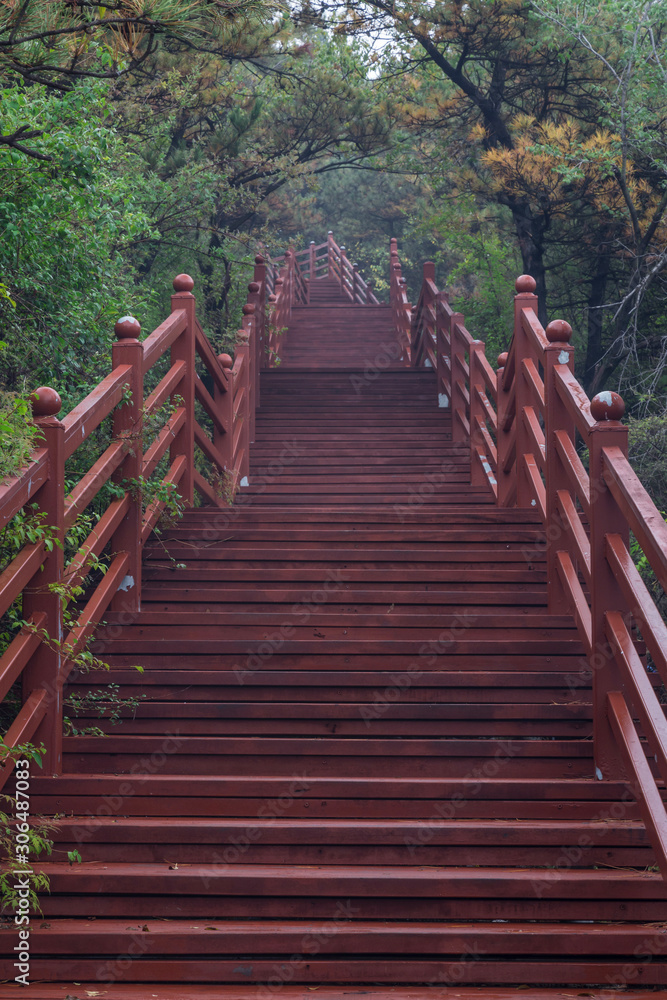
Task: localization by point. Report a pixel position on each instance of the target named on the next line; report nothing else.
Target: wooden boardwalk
(363, 750)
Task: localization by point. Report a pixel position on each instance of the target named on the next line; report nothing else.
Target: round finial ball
(272, 297)
(183, 283)
(607, 406)
(226, 360)
(558, 331)
(502, 359)
(45, 402)
(525, 283)
(402, 281)
(259, 259)
(394, 253)
(248, 309)
(127, 328)
(254, 286)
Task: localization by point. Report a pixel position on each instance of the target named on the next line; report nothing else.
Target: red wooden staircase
(363, 759)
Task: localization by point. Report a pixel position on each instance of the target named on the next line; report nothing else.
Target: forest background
(143, 138)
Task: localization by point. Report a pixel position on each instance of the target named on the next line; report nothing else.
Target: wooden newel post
(127, 426)
(184, 350)
(429, 299)
(477, 414)
(556, 420)
(355, 282)
(259, 278)
(442, 355)
(506, 480)
(456, 361)
(224, 441)
(256, 341)
(607, 408)
(330, 254)
(313, 264)
(290, 259)
(524, 299)
(249, 325)
(40, 603)
(343, 264)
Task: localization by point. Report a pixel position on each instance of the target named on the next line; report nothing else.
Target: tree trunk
(530, 234)
(596, 297)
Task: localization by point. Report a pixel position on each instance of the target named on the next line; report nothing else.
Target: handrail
(334, 263)
(40, 654)
(522, 442)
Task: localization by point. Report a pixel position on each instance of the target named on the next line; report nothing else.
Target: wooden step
(440, 989)
(361, 752)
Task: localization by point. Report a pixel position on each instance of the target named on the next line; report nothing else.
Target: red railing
(526, 426)
(328, 260)
(227, 391)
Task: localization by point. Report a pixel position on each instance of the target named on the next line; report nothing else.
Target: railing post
(290, 260)
(428, 302)
(260, 317)
(330, 253)
(312, 263)
(506, 479)
(249, 324)
(224, 441)
(184, 350)
(441, 358)
(128, 425)
(369, 291)
(256, 340)
(355, 282)
(44, 669)
(456, 360)
(524, 299)
(556, 418)
(607, 408)
(475, 381)
(343, 263)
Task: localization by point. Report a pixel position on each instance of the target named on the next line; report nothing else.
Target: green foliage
(64, 224)
(482, 264)
(37, 836)
(648, 454)
(18, 435)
